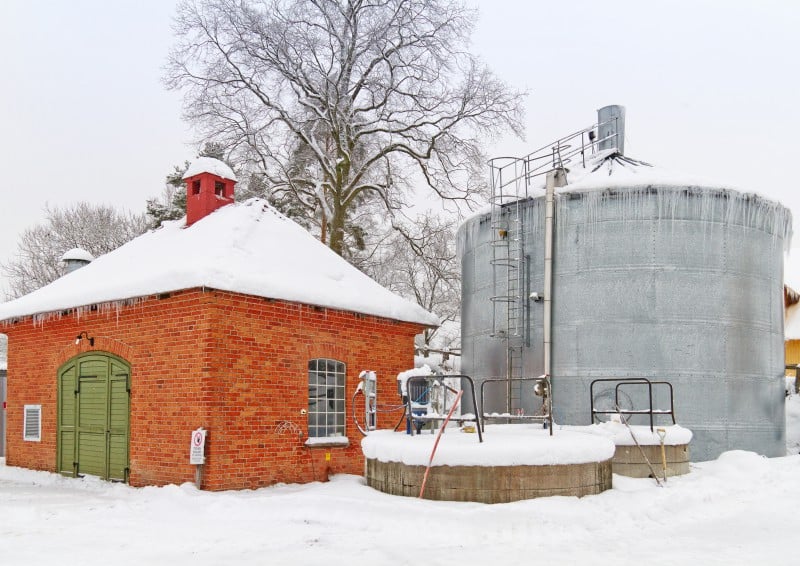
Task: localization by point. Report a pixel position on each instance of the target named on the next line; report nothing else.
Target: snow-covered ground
(739, 509)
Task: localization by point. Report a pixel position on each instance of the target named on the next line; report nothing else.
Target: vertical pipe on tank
(555, 178)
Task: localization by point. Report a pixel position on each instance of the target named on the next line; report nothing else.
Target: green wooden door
(94, 410)
(67, 400)
(118, 419)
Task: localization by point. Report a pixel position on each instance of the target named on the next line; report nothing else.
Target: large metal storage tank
(653, 277)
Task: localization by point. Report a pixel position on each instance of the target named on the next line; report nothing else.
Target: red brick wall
(234, 364)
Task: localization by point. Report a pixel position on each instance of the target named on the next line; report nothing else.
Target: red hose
(436, 444)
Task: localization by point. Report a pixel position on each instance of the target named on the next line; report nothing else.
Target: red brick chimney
(209, 186)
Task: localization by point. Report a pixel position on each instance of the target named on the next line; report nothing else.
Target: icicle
(105, 308)
(667, 203)
(717, 209)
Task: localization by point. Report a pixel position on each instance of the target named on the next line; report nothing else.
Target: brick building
(236, 320)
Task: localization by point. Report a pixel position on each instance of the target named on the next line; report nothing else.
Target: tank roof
(610, 169)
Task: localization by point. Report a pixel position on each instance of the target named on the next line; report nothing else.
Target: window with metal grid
(325, 398)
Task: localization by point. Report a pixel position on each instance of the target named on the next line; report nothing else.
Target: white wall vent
(32, 423)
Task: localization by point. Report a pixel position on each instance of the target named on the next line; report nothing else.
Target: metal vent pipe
(611, 129)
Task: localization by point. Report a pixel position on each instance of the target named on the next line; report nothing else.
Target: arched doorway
(94, 416)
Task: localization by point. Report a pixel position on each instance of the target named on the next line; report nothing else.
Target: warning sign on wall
(197, 452)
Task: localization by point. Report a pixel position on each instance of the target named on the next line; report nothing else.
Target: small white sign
(197, 452)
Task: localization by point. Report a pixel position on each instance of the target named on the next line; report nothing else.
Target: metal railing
(510, 181)
(633, 381)
(506, 171)
(547, 413)
(439, 380)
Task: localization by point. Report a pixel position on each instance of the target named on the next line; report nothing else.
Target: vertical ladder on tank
(507, 261)
(510, 181)
(514, 371)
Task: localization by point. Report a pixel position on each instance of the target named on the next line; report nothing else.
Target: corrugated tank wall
(682, 284)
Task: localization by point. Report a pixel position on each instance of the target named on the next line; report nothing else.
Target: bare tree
(419, 262)
(342, 103)
(96, 228)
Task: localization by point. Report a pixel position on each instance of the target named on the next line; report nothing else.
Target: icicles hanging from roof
(106, 308)
(669, 203)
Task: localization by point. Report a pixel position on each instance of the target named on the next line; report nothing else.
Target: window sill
(327, 441)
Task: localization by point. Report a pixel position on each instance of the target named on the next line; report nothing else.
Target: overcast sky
(710, 88)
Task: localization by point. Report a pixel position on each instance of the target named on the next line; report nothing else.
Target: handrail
(633, 381)
(547, 417)
(440, 379)
(554, 154)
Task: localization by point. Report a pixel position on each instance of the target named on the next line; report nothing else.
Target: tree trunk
(336, 230)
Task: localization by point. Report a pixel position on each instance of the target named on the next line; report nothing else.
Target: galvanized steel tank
(662, 280)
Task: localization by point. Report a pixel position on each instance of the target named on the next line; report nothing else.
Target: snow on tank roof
(608, 169)
(77, 254)
(247, 248)
(613, 170)
(209, 165)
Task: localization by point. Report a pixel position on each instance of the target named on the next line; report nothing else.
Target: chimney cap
(209, 165)
(77, 254)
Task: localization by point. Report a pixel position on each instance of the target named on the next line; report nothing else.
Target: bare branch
(330, 99)
(97, 229)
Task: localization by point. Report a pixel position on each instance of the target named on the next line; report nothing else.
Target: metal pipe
(555, 178)
(436, 443)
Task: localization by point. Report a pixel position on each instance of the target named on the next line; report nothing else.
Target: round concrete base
(629, 460)
(484, 484)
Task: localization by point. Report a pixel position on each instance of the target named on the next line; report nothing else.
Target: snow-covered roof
(209, 165)
(245, 247)
(77, 254)
(623, 435)
(791, 323)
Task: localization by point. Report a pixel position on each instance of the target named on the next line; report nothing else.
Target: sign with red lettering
(197, 452)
